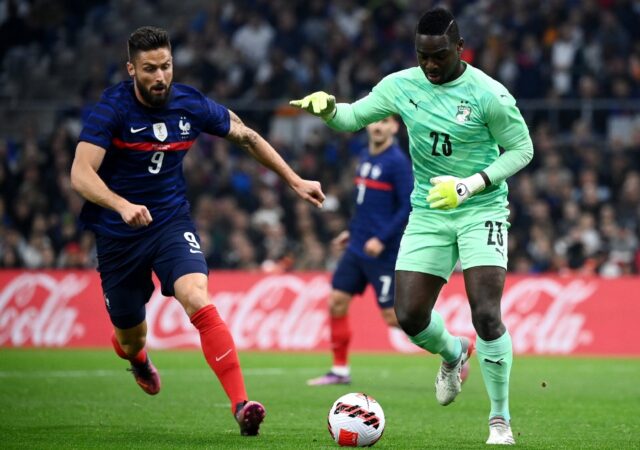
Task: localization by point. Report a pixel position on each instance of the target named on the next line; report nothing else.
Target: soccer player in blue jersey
(383, 186)
(457, 118)
(128, 165)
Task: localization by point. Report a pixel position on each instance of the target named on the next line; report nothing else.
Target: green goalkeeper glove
(450, 192)
(319, 104)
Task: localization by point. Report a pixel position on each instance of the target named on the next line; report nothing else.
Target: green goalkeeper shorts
(434, 240)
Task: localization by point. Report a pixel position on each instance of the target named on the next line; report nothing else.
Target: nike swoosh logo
(137, 130)
(194, 251)
(218, 358)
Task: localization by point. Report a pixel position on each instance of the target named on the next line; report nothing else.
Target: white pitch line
(267, 371)
(57, 373)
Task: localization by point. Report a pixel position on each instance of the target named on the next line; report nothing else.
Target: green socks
(436, 339)
(496, 358)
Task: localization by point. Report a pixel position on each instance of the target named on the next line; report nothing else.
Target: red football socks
(220, 352)
(137, 360)
(340, 338)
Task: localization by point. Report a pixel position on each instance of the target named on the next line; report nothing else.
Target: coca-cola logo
(289, 312)
(538, 312)
(283, 312)
(541, 315)
(35, 310)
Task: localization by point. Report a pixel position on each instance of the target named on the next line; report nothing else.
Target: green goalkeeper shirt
(454, 128)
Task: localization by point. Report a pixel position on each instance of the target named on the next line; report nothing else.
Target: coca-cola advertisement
(544, 314)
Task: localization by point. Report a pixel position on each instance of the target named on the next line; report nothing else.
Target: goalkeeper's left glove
(450, 192)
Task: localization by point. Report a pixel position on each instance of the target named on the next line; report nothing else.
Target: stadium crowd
(575, 208)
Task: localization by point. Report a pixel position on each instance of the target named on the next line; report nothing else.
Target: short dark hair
(438, 21)
(147, 38)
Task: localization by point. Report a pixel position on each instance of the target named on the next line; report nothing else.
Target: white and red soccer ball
(356, 420)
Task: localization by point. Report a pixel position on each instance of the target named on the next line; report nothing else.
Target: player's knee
(338, 310)
(194, 298)
(487, 322)
(339, 303)
(411, 320)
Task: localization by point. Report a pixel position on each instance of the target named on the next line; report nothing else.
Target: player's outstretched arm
(349, 116)
(86, 181)
(266, 155)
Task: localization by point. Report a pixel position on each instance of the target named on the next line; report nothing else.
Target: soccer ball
(356, 420)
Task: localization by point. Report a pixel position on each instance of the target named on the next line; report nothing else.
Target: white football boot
(500, 432)
(448, 381)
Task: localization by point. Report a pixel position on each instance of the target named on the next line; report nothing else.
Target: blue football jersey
(144, 152)
(382, 200)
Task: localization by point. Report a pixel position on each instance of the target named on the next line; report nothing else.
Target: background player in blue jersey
(128, 165)
(383, 186)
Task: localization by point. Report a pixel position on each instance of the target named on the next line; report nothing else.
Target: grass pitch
(85, 399)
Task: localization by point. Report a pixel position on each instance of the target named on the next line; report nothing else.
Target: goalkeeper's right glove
(319, 104)
(450, 192)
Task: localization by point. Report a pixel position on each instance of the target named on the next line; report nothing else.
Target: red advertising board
(544, 314)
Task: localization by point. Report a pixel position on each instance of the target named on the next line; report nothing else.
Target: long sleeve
(355, 116)
(510, 131)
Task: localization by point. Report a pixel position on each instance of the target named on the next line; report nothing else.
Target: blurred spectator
(253, 39)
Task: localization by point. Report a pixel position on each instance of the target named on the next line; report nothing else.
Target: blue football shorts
(126, 266)
(354, 272)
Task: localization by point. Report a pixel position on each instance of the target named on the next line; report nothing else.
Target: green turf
(85, 399)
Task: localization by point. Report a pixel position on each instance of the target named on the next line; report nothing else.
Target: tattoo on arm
(250, 141)
(234, 118)
(242, 135)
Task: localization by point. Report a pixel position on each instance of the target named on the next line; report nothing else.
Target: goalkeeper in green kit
(456, 117)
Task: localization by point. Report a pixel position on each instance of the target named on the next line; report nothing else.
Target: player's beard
(156, 100)
(379, 139)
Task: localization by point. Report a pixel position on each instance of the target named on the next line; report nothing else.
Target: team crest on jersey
(464, 111)
(160, 131)
(376, 171)
(184, 126)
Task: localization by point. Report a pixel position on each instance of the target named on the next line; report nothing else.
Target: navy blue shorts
(354, 272)
(125, 267)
